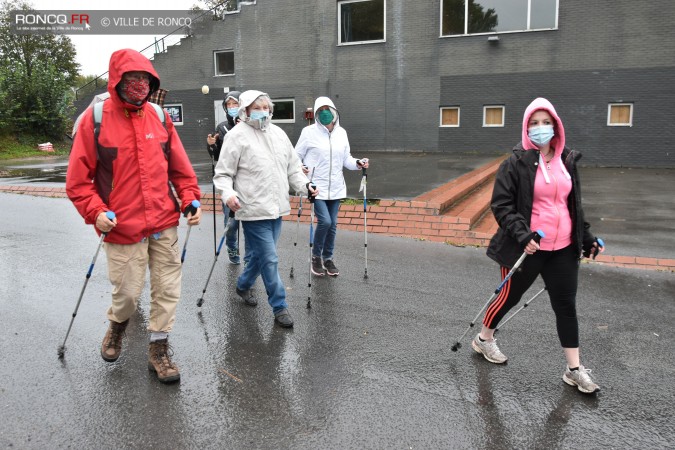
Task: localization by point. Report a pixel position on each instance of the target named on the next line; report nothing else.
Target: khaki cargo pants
(127, 265)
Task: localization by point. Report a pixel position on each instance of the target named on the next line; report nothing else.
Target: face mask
(325, 116)
(540, 135)
(135, 91)
(233, 112)
(259, 119)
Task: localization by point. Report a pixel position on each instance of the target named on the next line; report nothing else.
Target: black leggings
(560, 272)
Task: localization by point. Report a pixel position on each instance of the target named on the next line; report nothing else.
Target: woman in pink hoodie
(537, 188)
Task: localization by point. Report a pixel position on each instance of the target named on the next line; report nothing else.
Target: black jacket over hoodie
(511, 204)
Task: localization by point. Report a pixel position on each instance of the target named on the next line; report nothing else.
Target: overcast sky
(93, 52)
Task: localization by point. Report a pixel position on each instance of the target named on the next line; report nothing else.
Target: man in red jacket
(134, 163)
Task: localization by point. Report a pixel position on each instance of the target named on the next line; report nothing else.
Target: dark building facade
(441, 75)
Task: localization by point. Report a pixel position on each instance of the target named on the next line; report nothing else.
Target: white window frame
(292, 100)
(609, 115)
(339, 24)
(466, 22)
(459, 116)
(182, 112)
(215, 63)
(485, 108)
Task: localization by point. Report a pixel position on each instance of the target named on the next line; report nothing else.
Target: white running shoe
(489, 350)
(581, 379)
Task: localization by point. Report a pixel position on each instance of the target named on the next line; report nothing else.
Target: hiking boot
(160, 361)
(284, 319)
(489, 350)
(233, 255)
(112, 342)
(247, 296)
(317, 266)
(331, 270)
(581, 379)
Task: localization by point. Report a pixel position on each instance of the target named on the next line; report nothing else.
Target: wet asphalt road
(369, 366)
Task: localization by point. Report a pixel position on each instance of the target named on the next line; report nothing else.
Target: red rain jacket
(135, 166)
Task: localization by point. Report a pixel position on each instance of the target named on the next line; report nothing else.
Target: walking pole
(525, 305)
(190, 209)
(311, 199)
(364, 181)
(297, 232)
(537, 237)
(213, 190)
(200, 301)
(62, 348)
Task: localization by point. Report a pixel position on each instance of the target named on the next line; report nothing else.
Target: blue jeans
(231, 236)
(324, 238)
(261, 250)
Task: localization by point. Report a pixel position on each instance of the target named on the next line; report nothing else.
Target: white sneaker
(489, 350)
(581, 379)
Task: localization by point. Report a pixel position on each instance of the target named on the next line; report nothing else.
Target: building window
(175, 111)
(361, 21)
(462, 17)
(620, 115)
(223, 62)
(450, 116)
(493, 116)
(284, 110)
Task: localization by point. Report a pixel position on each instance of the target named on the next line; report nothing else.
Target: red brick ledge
(411, 219)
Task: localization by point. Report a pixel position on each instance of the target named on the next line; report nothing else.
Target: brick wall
(389, 93)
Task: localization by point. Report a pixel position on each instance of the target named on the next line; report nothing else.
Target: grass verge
(15, 147)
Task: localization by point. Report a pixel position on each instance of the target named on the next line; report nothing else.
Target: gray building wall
(389, 93)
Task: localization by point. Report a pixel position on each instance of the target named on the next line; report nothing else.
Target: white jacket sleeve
(349, 162)
(301, 147)
(297, 180)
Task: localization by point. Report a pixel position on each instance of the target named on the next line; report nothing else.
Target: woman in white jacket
(323, 149)
(254, 176)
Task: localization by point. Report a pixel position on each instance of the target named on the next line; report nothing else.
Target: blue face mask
(325, 116)
(260, 115)
(233, 112)
(541, 135)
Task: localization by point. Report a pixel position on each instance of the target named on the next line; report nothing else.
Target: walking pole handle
(310, 197)
(311, 184)
(595, 250)
(538, 235)
(192, 208)
(111, 216)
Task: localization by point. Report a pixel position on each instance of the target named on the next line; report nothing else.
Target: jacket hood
(234, 95)
(246, 99)
(127, 60)
(558, 141)
(325, 101)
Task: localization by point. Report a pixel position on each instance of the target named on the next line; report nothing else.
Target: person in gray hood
(254, 177)
(323, 148)
(214, 145)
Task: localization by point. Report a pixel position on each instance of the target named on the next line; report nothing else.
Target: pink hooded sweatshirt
(552, 184)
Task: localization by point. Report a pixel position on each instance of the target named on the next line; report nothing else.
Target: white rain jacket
(258, 167)
(326, 153)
